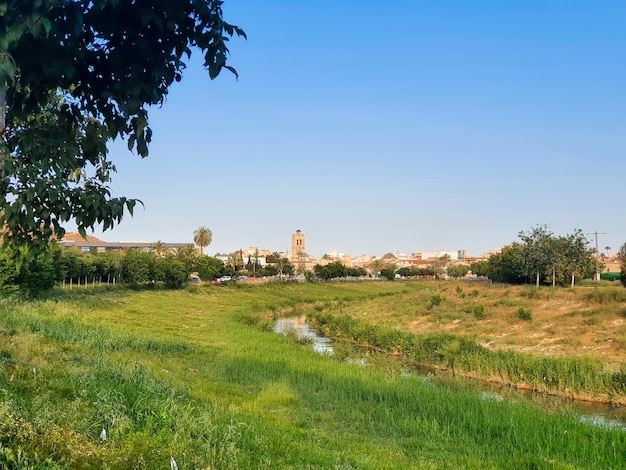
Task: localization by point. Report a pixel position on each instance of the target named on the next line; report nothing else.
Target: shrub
(435, 301)
(479, 311)
(175, 274)
(525, 314)
(388, 273)
(619, 378)
(530, 292)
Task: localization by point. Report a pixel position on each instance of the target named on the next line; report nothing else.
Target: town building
(301, 260)
(93, 244)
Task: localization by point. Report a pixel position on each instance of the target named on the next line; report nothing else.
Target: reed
(578, 376)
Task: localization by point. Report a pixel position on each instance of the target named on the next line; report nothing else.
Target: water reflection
(597, 413)
(302, 330)
(600, 414)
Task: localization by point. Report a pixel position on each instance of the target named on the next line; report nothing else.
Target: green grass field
(199, 376)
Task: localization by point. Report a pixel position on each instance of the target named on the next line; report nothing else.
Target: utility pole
(595, 234)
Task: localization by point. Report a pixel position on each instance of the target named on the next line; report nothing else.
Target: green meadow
(199, 376)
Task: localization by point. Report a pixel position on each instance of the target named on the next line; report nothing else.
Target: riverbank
(199, 376)
(570, 343)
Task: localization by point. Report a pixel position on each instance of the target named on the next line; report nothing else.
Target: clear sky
(399, 125)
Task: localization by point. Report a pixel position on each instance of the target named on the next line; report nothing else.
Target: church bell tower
(297, 245)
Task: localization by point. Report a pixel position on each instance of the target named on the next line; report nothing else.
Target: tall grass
(68, 331)
(565, 375)
(606, 295)
(241, 397)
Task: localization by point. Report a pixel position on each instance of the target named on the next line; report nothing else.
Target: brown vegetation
(586, 321)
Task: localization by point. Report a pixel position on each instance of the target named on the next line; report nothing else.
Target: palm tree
(235, 261)
(202, 237)
(187, 254)
(159, 248)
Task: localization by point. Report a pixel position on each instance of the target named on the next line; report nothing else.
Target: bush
(479, 311)
(525, 314)
(33, 277)
(435, 301)
(175, 275)
(8, 275)
(388, 273)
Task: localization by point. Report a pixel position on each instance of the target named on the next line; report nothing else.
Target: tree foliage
(416, 272)
(508, 265)
(71, 266)
(209, 268)
(31, 278)
(457, 270)
(480, 268)
(337, 270)
(138, 267)
(74, 75)
(545, 258)
(278, 265)
(234, 262)
(388, 273)
(439, 266)
(537, 253)
(621, 256)
(202, 237)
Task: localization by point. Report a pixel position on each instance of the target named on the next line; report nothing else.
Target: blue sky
(397, 125)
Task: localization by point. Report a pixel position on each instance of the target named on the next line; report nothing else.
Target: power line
(596, 233)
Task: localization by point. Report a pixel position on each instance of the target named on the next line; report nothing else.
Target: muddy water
(597, 413)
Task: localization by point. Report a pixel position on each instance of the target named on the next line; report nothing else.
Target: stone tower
(297, 245)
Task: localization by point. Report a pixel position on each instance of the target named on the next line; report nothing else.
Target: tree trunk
(3, 110)
(537, 278)
(3, 105)
(573, 275)
(553, 277)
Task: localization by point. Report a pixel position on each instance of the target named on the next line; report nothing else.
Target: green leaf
(47, 26)
(232, 69)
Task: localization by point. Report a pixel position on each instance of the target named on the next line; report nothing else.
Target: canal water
(597, 413)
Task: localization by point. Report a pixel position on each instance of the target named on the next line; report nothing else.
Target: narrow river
(598, 413)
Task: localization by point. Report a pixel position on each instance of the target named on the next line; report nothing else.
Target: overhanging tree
(74, 75)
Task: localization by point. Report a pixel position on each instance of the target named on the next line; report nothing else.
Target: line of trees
(543, 258)
(337, 270)
(135, 267)
(70, 266)
(426, 272)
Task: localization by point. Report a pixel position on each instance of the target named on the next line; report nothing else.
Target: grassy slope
(186, 374)
(588, 322)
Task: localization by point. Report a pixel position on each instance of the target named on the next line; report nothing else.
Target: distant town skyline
(467, 123)
(427, 253)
